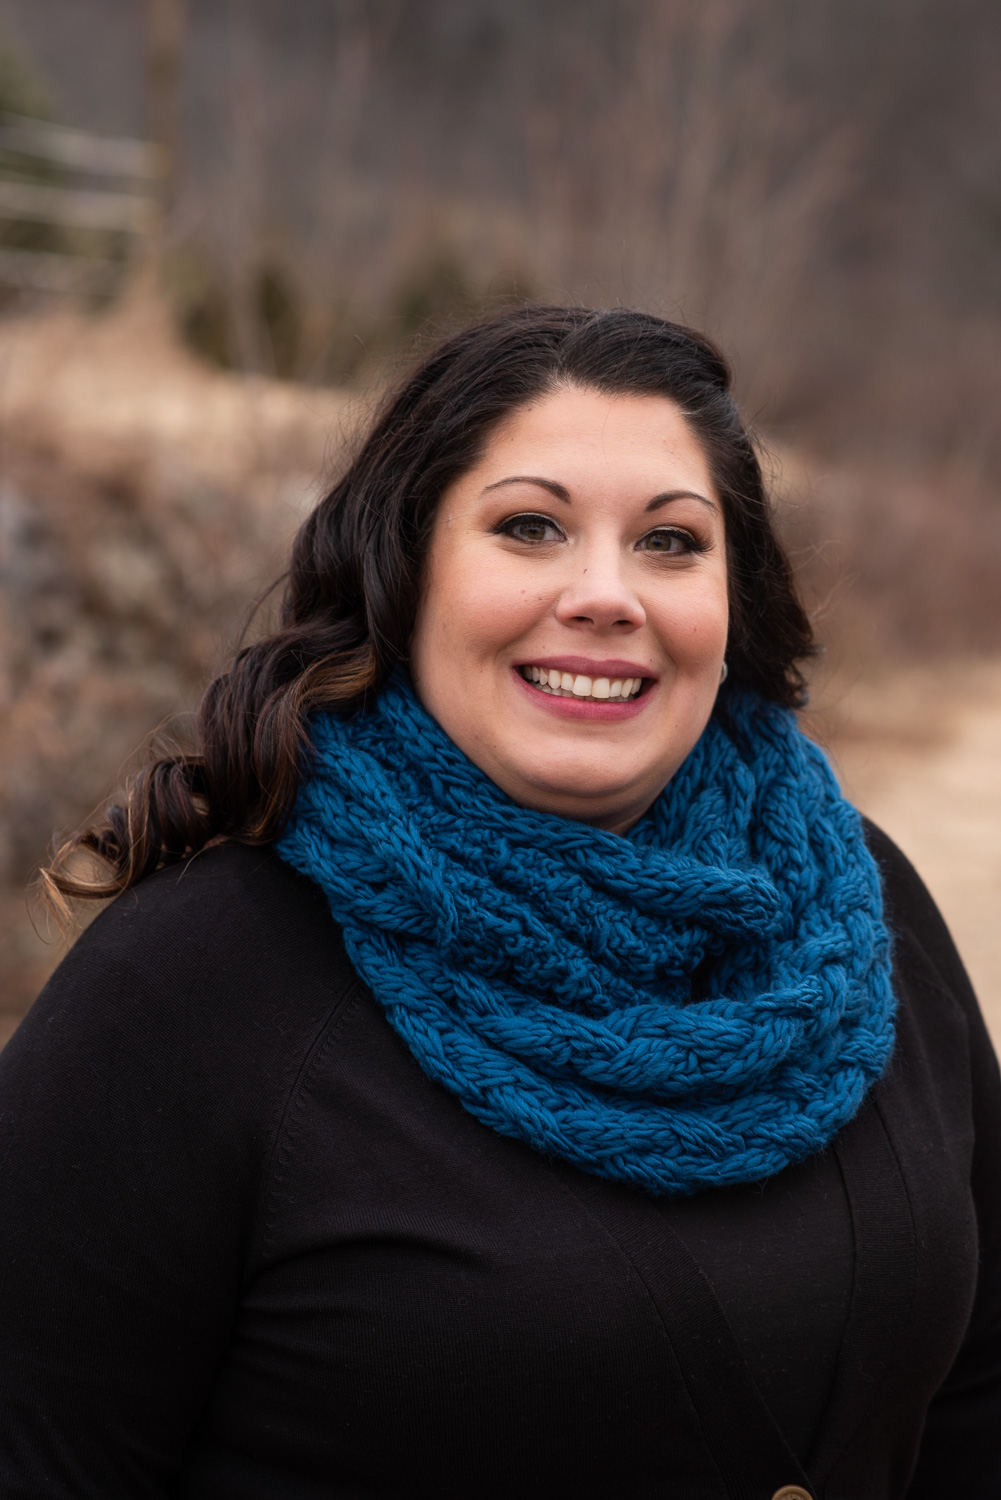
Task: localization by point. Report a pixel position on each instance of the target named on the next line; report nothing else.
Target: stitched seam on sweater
(295, 1102)
(652, 1300)
(869, 1416)
(877, 1102)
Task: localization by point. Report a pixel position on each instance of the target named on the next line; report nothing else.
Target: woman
(493, 1079)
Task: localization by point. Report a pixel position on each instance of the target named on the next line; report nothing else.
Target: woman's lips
(578, 708)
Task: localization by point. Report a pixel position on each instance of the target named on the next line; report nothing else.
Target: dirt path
(921, 755)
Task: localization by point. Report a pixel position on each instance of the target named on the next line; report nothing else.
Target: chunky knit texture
(699, 1003)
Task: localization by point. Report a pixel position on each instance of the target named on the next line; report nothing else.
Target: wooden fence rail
(127, 201)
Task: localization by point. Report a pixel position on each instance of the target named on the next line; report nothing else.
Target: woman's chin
(590, 796)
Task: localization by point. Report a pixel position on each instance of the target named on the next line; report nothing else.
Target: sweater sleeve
(961, 1446)
(138, 1100)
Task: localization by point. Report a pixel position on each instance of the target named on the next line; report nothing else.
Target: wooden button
(792, 1492)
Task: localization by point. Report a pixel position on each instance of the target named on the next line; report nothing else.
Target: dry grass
(144, 501)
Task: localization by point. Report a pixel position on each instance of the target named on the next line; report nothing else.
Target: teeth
(567, 685)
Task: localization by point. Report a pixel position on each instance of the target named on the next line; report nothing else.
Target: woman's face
(573, 623)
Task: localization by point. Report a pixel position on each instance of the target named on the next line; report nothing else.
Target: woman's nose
(598, 594)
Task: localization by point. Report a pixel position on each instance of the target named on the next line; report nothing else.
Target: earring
(724, 670)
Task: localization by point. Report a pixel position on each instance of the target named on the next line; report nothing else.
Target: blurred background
(225, 224)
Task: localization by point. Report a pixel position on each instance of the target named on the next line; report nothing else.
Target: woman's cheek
(498, 610)
(693, 631)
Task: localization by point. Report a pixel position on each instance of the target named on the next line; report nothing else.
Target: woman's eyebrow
(562, 493)
(559, 490)
(659, 500)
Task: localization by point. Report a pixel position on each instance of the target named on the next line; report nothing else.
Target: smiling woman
(511, 1067)
(617, 593)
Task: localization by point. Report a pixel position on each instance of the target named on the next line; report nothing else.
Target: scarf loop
(701, 1002)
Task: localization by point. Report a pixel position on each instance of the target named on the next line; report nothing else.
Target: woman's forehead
(585, 431)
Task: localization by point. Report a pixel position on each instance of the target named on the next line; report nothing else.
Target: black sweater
(252, 1253)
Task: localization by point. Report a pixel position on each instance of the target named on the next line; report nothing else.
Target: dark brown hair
(354, 577)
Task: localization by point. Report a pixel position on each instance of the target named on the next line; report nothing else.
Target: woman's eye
(670, 542)
(532, 529)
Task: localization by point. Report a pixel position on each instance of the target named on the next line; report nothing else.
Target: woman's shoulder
(234, 915)
(228, 955)
(939, 1017)
(918, 929)
(221, 894)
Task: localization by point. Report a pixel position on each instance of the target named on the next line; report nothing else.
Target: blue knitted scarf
(698, 1003)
